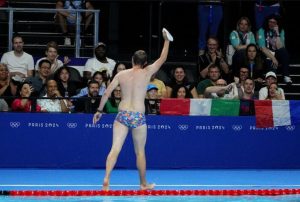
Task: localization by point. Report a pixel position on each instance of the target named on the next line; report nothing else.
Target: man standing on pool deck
(133, 83)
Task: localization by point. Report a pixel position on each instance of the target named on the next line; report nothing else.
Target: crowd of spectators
(249, 72)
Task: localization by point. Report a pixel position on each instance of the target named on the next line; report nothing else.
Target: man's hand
(96, 117)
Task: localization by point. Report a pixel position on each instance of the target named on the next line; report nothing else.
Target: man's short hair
(44, 61)
(139, 58)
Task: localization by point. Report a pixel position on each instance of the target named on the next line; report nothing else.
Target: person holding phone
(271, 41)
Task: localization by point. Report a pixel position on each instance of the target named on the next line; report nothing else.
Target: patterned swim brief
(131, 119)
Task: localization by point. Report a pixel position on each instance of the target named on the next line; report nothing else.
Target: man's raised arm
(164, 53)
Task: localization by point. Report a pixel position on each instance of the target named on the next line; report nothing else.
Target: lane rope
(226, 192)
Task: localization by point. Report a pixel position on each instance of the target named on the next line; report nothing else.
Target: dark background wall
(130, 25)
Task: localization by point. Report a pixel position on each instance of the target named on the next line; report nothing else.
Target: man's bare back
(133, 83)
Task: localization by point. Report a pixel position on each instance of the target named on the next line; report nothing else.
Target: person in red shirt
(24, 104)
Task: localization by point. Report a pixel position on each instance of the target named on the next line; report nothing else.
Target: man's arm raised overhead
(164, 53)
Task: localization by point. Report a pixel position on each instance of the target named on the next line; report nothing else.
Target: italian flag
(200, 107)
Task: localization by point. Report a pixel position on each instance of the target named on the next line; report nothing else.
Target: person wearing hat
(270, 78)
(99, 63)
(152, 101)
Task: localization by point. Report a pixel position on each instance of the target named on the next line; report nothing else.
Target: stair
(38, 28)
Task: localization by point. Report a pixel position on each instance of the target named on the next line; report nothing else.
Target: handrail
(11, 12)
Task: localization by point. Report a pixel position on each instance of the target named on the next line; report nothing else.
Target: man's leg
(61, 17)
(139, 136)
(119, 135)
(88, 15)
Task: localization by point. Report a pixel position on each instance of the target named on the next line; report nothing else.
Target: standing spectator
(210, 14)
(213, 56)
(99, 63)
(66, 18)
(264, 92)
(179, 77)
(24, 104)
(271, 40)
(52, 55)
(52, 104)
(239, 39)
(38, 82)
(264, 8)
(18, 62)
(90, 102)
(8, 87)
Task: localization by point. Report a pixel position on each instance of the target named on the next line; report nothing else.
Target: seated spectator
(248, 90)
(181, 92)
(179, 77)
(113, 102)
(161, 87)
(89, 103)
(99, 63)
(243, 75)
(52, 55)
(247, 98)
(213, 56)
(274, 93)
(97, 76)
(152, 101)
(66, 87)
(118, 67)
(239, 39)
(264, 92)
(255, 64)
(271, 40)
(8, 87)
(24, 104)
(221, 90)
(213, 76)
(52, 104)
(18, 62)
(38, 82)
(66, 18)
(3, 106)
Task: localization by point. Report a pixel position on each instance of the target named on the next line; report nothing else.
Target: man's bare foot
(147, 186)
(105, 185)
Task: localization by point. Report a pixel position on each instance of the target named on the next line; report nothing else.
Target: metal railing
(11, 13)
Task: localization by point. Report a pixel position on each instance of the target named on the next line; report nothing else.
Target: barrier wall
(33, 140)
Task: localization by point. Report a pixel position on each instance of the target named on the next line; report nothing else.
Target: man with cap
(99, 63)
(131, 116)
(270, 78)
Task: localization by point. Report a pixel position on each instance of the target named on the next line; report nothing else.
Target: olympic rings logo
(72, 125)
(290, 128)
(14, 124)
(183, 127)
(237, 127)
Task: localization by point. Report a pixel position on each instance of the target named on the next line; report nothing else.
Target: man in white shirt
(99, 63)
(18, 62)
(270, 78)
